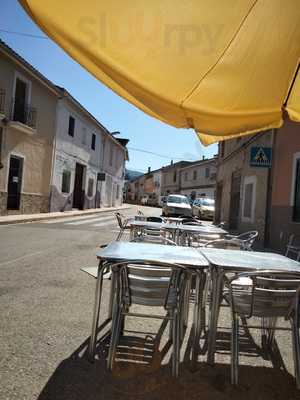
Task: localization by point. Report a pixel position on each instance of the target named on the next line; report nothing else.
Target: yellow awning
(222, 67)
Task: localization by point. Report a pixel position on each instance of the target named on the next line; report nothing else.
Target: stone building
(88, 165)
(241, 193)
(199, 179)
(54, 155)
(27, 127)
(170, 177)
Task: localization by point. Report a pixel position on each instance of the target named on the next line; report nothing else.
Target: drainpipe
(269, 192)
(53, 152)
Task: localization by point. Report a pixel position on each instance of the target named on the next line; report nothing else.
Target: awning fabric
(224, 68)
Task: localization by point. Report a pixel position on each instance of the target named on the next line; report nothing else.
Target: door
(20, 101)
(78, 194)
(234, 211)
(14, 183)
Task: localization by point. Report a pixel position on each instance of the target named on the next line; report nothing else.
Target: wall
(286, 145)
(35, 149)
(202, 185)
(237, 159)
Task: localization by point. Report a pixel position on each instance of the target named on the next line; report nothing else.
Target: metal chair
(159, 285)
(269, 295)
(224, 244)
(122, 222)
(293, 248)
(151, 236)
(246, 239)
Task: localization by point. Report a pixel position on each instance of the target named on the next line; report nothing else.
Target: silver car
(204, 208)
(176, 205)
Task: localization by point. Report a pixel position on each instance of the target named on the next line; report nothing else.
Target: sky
(144, 132)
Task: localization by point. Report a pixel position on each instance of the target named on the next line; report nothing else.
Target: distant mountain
(131, 174)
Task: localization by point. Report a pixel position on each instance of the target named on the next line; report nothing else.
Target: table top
(249, 260)
(132, 251)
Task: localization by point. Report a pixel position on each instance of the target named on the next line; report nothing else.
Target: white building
(199, 179)
(88, 162)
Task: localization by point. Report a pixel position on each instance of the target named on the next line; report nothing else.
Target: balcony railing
(2, 101)
(24, 113)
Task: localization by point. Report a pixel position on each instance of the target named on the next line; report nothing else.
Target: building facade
(170, 177)
(27, 126)
(88, 163)
(54, 155)
(284, 215)
(241, 192)
(199, 179)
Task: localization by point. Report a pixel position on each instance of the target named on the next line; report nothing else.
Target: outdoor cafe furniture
(149, 284)
(120, 251)
(224, 261)
(199, 234)
(245, 239)
(123, 224)
(264, 294)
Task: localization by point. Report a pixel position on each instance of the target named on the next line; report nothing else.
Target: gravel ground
(46, 310)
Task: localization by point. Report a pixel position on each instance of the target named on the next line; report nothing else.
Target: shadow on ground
(139, 373)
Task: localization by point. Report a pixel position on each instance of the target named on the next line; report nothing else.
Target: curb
(63, 215)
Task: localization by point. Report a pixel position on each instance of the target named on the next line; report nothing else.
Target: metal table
(207, 232)
(222, 261)
(131, 251)
(142, 225)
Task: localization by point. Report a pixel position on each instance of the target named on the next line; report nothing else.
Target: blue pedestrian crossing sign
(261, 157)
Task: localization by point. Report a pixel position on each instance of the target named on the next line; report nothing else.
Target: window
(195, 175)
(249, 196)
(66, 181)
(174, 176)
(296, 204)
(207, 172)
(90, 187)
(93, 145)
(185, 176)
(71, 126)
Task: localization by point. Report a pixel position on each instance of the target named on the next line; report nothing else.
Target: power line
(24, 34)
(155, 154)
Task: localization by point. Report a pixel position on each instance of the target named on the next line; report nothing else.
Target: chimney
(149, 169)
(203, 157)
(171, 162)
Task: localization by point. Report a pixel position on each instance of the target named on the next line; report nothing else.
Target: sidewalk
(21, 218)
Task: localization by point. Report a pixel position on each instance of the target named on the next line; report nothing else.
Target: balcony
(23, 116)
(2, 102)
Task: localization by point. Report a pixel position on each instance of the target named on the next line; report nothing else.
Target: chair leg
(296, 348)
(176, 344)
(234, 349)
(115, 332)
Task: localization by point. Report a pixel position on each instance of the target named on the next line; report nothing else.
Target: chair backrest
(150, 284)
(155, 219)
(121, 220)
(224, 244)
(153, 236)
(139, 212)
(248, 238)
(265, 293)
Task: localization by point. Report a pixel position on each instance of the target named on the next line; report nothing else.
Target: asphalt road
(46, 305)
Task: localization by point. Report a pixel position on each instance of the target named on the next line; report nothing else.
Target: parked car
(204, 208)
(176, 205)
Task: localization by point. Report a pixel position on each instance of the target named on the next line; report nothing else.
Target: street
(46, 310)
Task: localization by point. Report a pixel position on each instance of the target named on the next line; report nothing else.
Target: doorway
(14, 183)
(78, 194)
(218, 202)
(234, 211)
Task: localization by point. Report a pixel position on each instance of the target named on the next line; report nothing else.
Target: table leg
(197, 320)
(98, 293)
(217, 285)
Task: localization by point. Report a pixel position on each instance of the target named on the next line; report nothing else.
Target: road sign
(261, 157)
